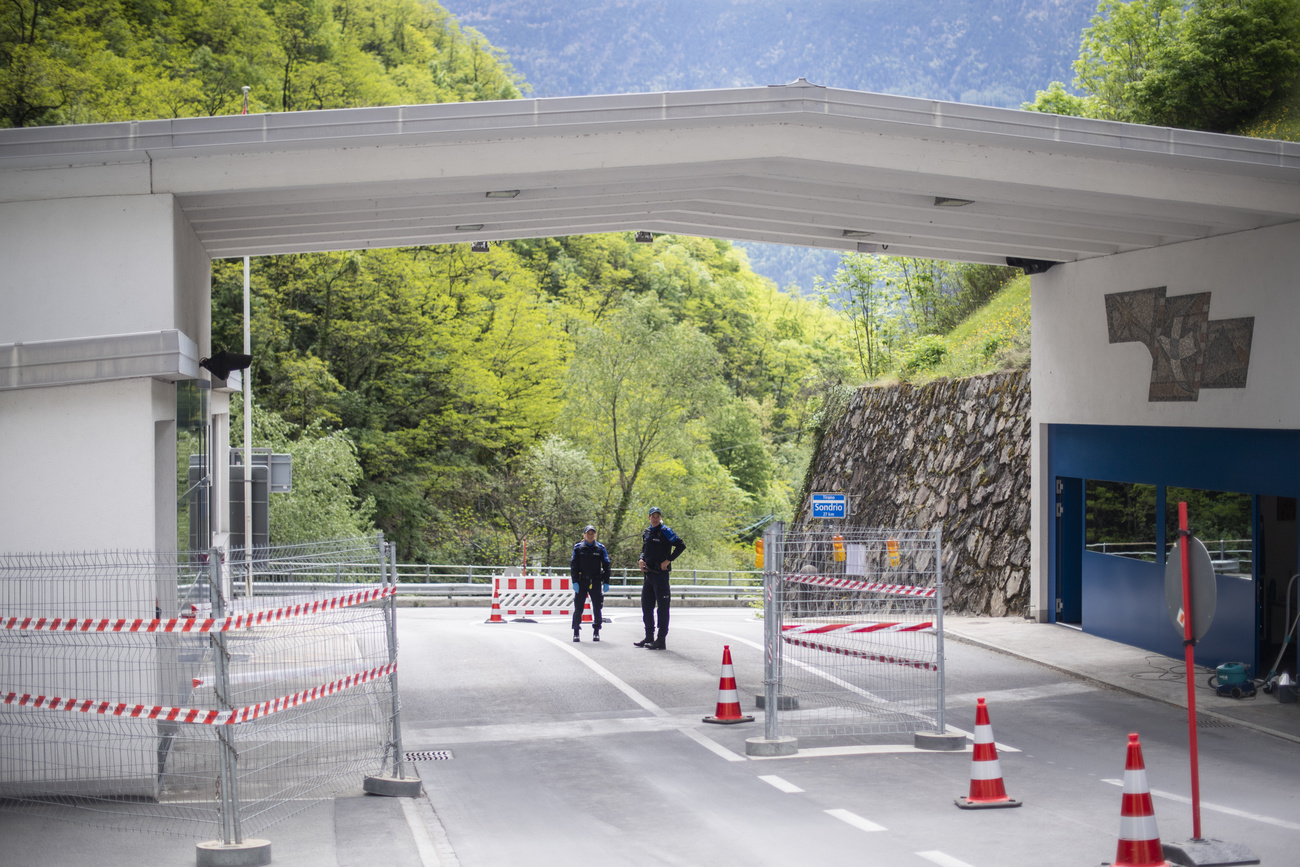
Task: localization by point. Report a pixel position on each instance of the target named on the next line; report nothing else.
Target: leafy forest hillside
(467, 403)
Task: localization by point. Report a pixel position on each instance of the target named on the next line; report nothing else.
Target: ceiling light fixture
(945, 202)
(502, 194)
(857, 233)
(470, 227)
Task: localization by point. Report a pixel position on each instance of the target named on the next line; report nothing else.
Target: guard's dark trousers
(654, 594)
(584, 587)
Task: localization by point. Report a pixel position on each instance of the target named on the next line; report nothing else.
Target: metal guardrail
(476, 582)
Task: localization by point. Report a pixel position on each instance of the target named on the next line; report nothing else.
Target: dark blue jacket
(659, 544)
(589, 561)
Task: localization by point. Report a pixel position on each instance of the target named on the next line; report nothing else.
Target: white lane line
(783, 785)
(1218, 808)
(843, 684)
(942, 859)
(640, 699)
(855, 820)
(713, 746)
(423, 842)
(863, 750)
(1026, 693)
(610, 676)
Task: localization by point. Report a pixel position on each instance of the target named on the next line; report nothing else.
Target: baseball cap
(589, 529)
(654, 510)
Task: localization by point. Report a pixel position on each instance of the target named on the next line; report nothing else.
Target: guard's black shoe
(576, 639)
(595, 636)
(645, 642)
(659, 645)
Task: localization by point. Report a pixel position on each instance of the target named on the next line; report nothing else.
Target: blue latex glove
(604, 588)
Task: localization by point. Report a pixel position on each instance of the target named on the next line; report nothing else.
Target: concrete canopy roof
(792, 164)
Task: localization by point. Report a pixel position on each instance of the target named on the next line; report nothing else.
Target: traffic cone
(586, 611)
(728, 712)
(1139, 841)
(496, 603)
(986, 788)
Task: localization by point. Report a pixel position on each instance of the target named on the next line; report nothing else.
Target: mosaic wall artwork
(1189, 351)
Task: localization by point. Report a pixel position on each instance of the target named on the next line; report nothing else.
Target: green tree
(321, 504)
(635, 383)
(1230, 59)
(1210, 64)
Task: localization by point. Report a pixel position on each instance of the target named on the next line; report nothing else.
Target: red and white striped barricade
(530, 596)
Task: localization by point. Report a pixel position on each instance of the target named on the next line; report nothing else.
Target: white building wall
(91, 464)
(1079, 377)
(86, 267)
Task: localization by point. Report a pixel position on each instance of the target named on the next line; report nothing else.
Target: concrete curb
(1105, 684)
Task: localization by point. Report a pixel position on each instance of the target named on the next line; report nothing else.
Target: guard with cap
(589, 569)
(660, 546)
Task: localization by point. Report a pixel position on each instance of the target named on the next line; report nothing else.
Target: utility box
(272, 474)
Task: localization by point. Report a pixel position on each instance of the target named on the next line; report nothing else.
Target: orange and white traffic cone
(1139, 841)
(496, 603)
(986, 788)
(728, 711)
(586, 611)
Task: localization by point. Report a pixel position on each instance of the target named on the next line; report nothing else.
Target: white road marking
(423, 842)
(841, 683)
(1027, 693)
(1218, 808)
(713, 746)
(942, 859)
(610, 676)
(626, 689)
(855, 820)
(863, 750)
(541, 730)
(783, 785)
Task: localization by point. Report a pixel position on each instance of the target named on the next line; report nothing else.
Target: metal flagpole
(248, 433)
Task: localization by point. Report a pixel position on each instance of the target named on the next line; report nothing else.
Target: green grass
(995, 337)
(1280, 120)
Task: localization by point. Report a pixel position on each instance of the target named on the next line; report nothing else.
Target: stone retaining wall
(953, 453)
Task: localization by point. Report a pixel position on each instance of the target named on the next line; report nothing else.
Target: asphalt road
(564, 753)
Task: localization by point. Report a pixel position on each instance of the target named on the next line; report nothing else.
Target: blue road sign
(828, 505)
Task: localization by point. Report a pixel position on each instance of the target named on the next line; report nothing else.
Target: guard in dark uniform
(660, 546)
(589, 569)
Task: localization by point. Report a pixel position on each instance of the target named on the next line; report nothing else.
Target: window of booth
(1120, 519)
(1223, 520)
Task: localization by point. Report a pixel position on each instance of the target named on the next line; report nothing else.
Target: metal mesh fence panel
(127, 680)
(859, 615)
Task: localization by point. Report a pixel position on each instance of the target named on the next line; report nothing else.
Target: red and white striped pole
(1189, 653)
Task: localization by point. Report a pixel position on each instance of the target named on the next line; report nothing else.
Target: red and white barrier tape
(193, 624)
(861, 654)
(867, 586)
(193, 715)
(850, 628)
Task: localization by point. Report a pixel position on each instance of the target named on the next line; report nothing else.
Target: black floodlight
(478, 246)
(1031, 266)
(221, 364)
(645, 237)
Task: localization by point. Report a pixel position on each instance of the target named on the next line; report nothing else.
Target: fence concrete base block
(250, 853)
(393, 787)
(1203, 852)
(773, 747)
(936, 741)
(783, 702)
